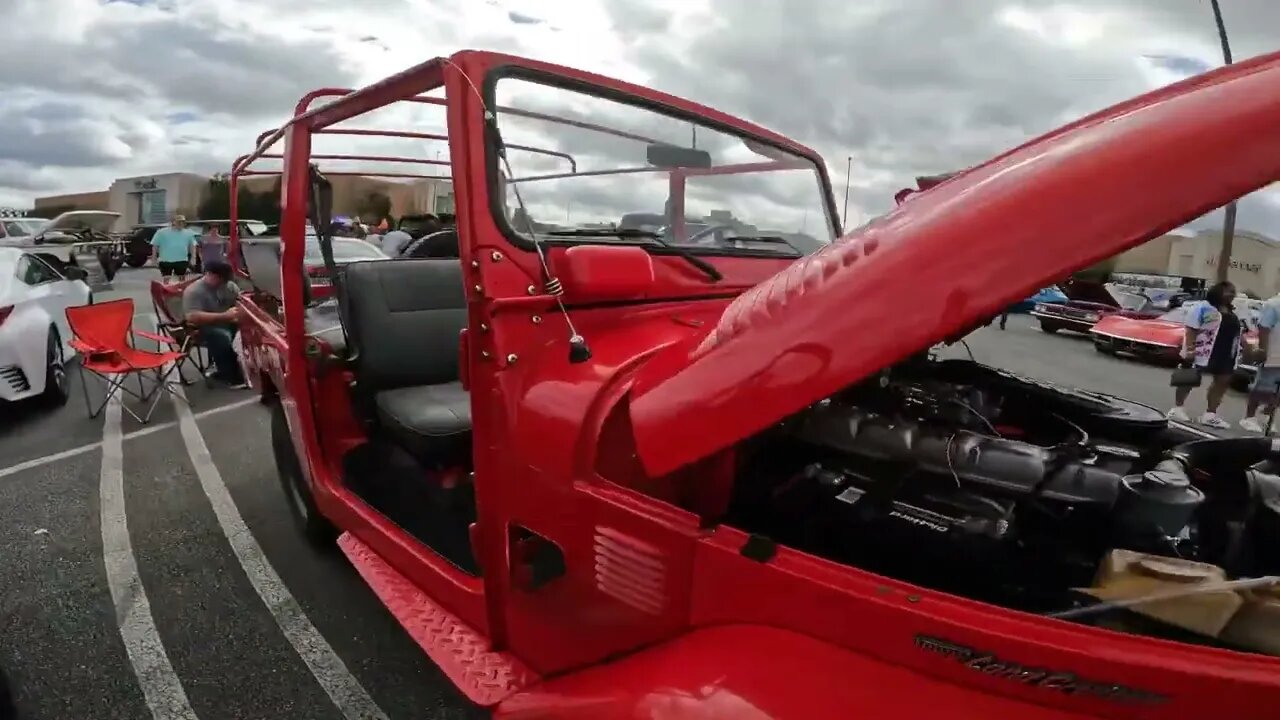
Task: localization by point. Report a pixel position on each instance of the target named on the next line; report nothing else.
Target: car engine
(979, 482)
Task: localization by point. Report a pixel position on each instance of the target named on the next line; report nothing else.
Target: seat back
(104, 326)
(403, 320)
(167, 300)
(439, 244)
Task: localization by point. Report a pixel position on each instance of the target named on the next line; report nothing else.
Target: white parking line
(141, 432)
(329, 670)
(159, 683)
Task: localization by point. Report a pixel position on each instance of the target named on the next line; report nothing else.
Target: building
(157, 198)
(1255, 259)
(47, 207)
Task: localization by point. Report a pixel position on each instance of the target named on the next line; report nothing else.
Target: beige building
(1255, 259)
(47, 207)
(157, 198)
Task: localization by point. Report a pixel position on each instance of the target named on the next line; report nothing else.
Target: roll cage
(498, 291)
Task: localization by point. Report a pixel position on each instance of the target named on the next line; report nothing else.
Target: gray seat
(403, 321)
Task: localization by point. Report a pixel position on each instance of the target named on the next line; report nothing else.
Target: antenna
(578, 350)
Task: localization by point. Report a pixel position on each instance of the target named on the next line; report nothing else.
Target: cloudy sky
(91, 90)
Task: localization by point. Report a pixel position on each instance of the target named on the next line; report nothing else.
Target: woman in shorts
(1212, 345)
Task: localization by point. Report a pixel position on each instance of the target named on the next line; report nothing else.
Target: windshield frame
(522, 241)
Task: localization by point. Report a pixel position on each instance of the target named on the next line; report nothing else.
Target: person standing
(209, 303)
(213, 246)
(172, 248)
(1211, 344)
(1265, 390)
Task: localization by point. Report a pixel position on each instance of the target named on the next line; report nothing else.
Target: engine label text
(1065, 682)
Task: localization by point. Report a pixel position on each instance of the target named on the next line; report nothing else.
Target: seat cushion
(431, 421)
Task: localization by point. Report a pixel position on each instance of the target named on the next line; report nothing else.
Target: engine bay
(982, 483)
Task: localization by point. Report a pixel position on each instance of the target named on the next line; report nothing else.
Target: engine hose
(1243, 451)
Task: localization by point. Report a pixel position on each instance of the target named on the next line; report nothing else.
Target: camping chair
(177, 333)
(102, 333)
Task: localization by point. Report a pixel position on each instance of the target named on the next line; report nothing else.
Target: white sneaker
(1178, 413)
(1251, 425)
(1212, 420)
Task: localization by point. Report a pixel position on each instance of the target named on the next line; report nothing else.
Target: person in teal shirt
(171, 247)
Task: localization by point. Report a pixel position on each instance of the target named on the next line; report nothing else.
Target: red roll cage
(321, 124)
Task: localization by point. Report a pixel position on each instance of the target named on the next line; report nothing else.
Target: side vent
(630, 571)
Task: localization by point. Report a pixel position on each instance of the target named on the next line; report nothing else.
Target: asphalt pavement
(140, 580)
(153, 571)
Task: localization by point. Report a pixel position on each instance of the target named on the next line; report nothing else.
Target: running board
(484, 676)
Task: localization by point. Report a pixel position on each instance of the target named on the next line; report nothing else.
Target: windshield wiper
(769, 239)
(706, 267)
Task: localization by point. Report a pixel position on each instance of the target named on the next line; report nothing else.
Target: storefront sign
(148, 184)
(1237, 265)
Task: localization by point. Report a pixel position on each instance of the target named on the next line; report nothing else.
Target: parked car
(1044, 296)
(345, 250)
(1087, 303)
(81, 238)
(36, 288)
(596, 477)
(17, 230)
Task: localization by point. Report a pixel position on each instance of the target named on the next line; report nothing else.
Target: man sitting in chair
(210, 304)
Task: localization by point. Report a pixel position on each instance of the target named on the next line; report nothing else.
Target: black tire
(317, 529)
(57, 383)
(1104, 348)
(1049, 327)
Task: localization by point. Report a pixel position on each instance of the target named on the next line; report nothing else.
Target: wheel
(57, 384)
(1104, 348)
(1049, 327)
(318, 531)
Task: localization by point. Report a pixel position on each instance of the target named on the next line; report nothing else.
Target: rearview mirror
(75, 272)
(673, 156)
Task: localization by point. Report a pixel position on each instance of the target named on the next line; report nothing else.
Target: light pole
(848, 173)
(1229, 214)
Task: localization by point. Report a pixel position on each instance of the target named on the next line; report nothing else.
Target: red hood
(1157, 331)
(957, 253)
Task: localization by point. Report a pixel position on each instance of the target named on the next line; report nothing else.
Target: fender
(751, 672)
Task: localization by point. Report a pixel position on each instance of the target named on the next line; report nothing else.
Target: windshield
(22, 228)
(343, 251)
(1130, 301)
(603, 165)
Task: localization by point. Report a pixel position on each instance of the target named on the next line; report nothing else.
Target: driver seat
(404, 318)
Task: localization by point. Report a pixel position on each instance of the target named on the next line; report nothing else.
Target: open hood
(1088, 291)
(98, 221)
(958, 253)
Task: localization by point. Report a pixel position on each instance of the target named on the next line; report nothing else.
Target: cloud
(94, 90)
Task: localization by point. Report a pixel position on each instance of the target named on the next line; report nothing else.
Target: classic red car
(1088, 302)
(605, 472)
(1158, 339)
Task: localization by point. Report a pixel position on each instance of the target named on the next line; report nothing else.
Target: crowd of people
(1213, 344)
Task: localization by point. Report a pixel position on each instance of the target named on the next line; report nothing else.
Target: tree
(1099, 272)
(217, 200)
(375, 205)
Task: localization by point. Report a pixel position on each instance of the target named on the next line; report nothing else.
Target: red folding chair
(103, 335)
(178, 334)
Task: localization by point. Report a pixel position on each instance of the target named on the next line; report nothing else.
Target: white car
(35, 291)
(18, 230)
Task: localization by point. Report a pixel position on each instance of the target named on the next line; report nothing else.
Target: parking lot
(155, 569)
